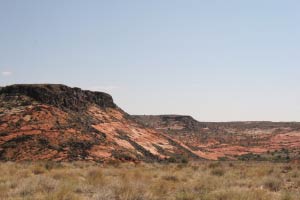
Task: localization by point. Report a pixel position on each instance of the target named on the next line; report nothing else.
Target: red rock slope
(231, 140)
(56, 122)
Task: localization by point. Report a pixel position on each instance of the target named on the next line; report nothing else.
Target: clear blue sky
(215, 60)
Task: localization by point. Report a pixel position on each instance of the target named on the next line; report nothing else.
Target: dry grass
(194, 181)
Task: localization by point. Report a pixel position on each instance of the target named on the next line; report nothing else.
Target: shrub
(273, 184)
(115, 163)
(49, 165)
(218, 172)
(170, 178)
(178, 159)
(214, 165)
(38, 170)
(287, 168)
(171, 160)
(184, 160)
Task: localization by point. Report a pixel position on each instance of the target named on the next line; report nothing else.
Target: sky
(212, 59)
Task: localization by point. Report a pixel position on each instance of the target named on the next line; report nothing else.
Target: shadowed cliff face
(56, 122)
(61, 96)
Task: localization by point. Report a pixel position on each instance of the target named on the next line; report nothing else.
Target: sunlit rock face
(230, 140)
(57, 122)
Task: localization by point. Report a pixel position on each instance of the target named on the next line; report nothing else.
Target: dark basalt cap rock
(61, 96)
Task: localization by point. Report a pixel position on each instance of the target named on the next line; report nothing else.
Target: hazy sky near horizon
(215, 60)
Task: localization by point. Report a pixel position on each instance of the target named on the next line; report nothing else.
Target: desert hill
(276, 141)
(56, 122)
(60, 123)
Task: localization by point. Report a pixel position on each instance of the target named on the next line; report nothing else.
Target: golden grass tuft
(127, 181)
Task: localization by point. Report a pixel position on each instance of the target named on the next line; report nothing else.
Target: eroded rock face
(60, 96)
(275, 141)
(56, 122)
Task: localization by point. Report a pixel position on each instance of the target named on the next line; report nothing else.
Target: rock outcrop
(168, 122)
(60, 96)
(56, 122)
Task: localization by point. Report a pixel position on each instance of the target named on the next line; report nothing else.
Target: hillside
(56, 122)
(60, 123)
(276, 141)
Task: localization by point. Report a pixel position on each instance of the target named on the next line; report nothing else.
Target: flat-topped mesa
(169, 122)
(60, 96)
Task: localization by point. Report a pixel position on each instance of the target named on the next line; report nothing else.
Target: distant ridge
(248, 140)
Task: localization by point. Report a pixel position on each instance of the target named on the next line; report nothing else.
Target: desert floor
(128, 181)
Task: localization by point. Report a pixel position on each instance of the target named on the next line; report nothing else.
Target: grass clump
(38, 170)
(273, 184)
(95, 176)
(218, 172)
(170, 178)
(169, 181)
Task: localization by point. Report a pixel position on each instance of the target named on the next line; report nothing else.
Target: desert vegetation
(129, 181)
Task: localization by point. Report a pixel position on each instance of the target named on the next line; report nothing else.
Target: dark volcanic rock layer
(60, 96)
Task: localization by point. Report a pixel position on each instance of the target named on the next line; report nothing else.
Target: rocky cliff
(60, 96)
(56, 122)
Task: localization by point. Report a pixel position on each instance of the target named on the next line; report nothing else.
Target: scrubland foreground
(128, 181)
